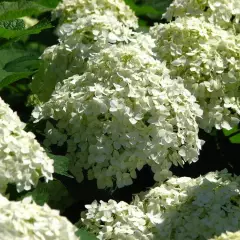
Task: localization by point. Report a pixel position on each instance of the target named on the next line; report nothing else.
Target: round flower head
(22, 160)
(208, 60)
(78, 40)
(224, 13)
(71, 10)
(122, 113)
(181, 208)
(26, 220)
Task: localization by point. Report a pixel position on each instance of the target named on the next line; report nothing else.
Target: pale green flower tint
(208, 60)
(78, 40)
(228, 236)
(124, 112)
(181, 208)
(25, 220)
(224, 13)
(71, 10)
(22, 160)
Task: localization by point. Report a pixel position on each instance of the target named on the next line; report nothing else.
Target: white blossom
(181, 208)
(208, 60)
(22, 160)
(78, 40)
(71, 10)
(122, 113)
(224, 13)
(26, 220)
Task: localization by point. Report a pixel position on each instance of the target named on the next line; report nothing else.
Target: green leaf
(61, 164)
(13, 78)
(8, 55)
(9, 33)
(16, 24)
(85, 235)
(21, 8)
(233, 134)
(23, 64)
(54, 193)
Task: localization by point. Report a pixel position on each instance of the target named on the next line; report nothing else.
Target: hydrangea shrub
(207, 58)
(124, 112)
(22, 160)
(27, 220)
(181, 208)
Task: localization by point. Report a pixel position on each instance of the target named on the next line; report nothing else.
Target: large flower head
(224, 13)
(22, 160)
(26, 220)
(71, 10)
(208, 60)
(122, 113)
(181, 208)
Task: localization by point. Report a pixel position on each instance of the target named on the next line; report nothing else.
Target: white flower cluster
(78, 41)
(122, 113)
(91, 26)
(71, 10)
(228, 236)
(26, 220)
(181, 208)
(208, 59)
(22, 160)
(224, 13)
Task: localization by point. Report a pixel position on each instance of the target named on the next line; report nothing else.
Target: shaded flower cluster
(124, 112)
(208, 59)
(22, 160)
(26, 220)
(181, 208)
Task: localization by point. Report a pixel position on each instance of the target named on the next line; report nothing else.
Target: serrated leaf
(85, 235)
(9, 33)
(236, 134)
(21, 8)
(23, 64)
(61, 164)
(16, 24)
(54, 193)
